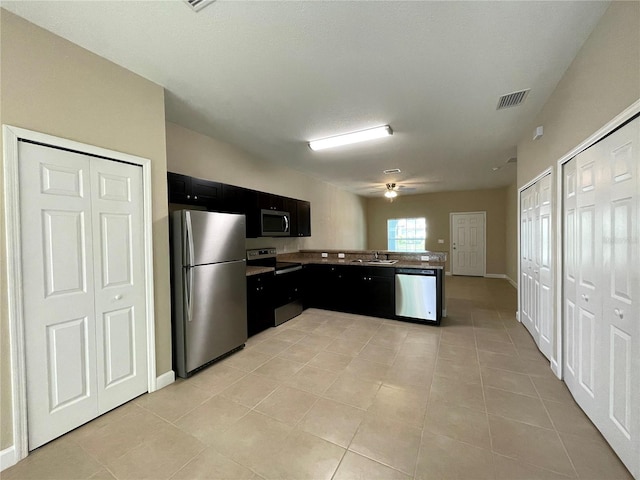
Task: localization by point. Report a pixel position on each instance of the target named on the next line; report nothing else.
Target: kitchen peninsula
(394, 285)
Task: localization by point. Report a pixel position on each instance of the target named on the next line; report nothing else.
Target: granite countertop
(258, 270)
(305, 260)
(404, 260)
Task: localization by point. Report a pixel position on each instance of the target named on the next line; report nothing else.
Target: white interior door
(544, 269)
(527, 304)
(602, 318)
(618, 354)
(121, 341)
(83, 282)
(57, 265)
(536, 273)
(468, 247)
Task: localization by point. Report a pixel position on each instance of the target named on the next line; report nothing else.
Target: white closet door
(535, 263)
(618, 362)
(84, 287)
(57, 265)
(602, 318)
(526, 260)
(120, 310)
(570, 263)
(544, 271)
(589, 280)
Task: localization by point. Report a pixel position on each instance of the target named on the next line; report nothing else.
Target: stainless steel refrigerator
(209, 287)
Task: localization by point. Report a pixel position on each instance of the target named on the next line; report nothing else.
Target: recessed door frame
(11, 136)
(626, 115)
(484, 238)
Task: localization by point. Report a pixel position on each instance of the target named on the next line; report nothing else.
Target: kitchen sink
(383, 262)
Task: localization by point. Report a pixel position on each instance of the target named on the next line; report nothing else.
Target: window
(406, 234)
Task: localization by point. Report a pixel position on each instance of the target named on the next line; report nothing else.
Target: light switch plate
(341, 255)
(440, 240)
(324, 254)
(425, 258)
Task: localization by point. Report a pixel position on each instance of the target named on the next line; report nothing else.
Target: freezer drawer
(417, 296)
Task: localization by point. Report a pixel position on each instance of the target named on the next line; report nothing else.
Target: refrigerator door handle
(188, 233)
(188, 285)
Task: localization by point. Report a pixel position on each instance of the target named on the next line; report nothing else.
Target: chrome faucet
(375, 255)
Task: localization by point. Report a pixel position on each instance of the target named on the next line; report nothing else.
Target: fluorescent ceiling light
(348, 138)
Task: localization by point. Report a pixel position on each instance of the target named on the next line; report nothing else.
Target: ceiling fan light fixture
(391, 191)
(349, 138)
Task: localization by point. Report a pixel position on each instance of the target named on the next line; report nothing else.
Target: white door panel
(84, 287)
(119, 280)
(467, 244)
(605, 285)
(535, 264)
(55, 207)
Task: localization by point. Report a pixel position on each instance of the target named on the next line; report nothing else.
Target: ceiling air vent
(392, 170)
(198, 5)
(512, 99)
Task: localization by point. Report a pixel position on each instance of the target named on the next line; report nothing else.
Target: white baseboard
(513, 284)
(447, 274)
(7, 457)
(165, 379)
(518, 316)
(555, 368)
(495, 275)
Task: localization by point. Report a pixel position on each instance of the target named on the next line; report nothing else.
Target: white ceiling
(268, 76)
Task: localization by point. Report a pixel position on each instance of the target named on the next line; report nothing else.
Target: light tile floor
(332, 395)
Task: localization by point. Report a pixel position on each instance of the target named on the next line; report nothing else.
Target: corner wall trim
(7, 457)
(165, 379)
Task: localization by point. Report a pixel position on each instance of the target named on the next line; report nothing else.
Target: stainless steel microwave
(274, 223)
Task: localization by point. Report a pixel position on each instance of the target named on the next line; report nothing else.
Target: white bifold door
(83, 287)
(601, 287)
(536, 273)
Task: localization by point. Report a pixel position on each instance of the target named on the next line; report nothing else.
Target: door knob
(118, 297)
(585, 297)
(618, 312)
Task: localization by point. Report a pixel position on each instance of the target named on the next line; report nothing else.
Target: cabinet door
(179, 188)
(259, 304)
(206, 193)
(269, 201)
(234, 199)
(303, 218)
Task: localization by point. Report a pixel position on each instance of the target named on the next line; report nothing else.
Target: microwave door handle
(286, 223)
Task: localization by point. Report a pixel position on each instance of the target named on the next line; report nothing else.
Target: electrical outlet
(425, 258)
(341, 255)
(324, 254)
(440, 240)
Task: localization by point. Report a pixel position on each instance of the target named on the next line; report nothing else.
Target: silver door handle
(117, 297)
(189, 291)
(618, 312)
(585, 297)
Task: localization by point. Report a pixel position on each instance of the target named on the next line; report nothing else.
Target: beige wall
(53, 86)
(337, 217)
(511, 233)
(602, 81)
(435, 207)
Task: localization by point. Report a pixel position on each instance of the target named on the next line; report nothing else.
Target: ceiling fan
(396, 187)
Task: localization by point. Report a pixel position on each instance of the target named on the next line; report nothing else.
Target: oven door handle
(289, 270)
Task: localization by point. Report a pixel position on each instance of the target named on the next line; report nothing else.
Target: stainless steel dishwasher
(419, 294)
